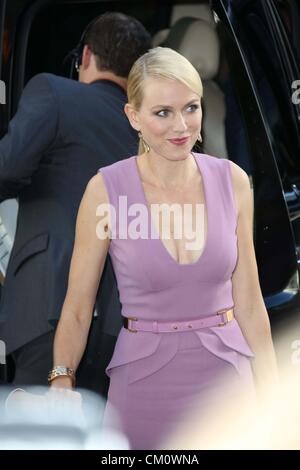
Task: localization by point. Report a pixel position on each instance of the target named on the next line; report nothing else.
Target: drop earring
(144, 143)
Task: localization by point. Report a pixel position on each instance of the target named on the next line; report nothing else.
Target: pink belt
(221, 318)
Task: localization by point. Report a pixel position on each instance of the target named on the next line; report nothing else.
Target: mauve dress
(157, 379)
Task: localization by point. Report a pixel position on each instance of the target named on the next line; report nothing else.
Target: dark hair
(117, 40)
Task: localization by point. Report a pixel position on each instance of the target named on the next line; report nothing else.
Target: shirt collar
(109, 83)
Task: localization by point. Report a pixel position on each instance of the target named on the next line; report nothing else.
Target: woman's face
(170, 117)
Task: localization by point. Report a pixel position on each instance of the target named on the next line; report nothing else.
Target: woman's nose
(179, 124)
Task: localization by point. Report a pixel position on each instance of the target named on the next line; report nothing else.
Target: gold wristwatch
(59, 371)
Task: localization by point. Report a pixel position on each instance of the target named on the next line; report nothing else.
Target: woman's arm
(250, 310)
(88, 259)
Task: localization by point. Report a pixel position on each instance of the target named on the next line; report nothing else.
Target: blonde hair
(160, 62)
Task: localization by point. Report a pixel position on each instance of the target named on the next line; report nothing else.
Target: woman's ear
(132, 116)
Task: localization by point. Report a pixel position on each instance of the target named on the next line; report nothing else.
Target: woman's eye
(162, 113)
(193, 107)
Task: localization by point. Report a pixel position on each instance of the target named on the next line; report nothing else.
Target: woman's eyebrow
(165, 106)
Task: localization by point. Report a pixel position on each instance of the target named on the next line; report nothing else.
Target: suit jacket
(62, 133)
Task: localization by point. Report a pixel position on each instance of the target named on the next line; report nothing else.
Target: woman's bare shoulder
(239, 176)
(241, 184)
(96, 189)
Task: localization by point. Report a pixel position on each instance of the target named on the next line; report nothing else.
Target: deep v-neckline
(151, 222)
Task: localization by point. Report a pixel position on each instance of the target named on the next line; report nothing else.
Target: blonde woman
(192, 305)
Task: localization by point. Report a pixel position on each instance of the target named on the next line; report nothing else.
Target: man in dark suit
(62, 133)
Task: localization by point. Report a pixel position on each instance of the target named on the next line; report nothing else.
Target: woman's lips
(181, 141)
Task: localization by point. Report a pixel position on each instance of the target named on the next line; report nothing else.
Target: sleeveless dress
(157, 379)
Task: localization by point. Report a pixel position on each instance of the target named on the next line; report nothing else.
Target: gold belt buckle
(131, 329)
(229, 316)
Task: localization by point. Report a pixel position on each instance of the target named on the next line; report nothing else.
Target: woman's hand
(62, 381)
(64, 399)
(57, 406)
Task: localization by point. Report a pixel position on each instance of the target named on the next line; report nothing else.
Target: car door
(252, 35)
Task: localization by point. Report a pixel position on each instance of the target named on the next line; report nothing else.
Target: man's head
(111, 44)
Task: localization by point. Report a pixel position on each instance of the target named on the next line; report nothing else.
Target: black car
(250, 51)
